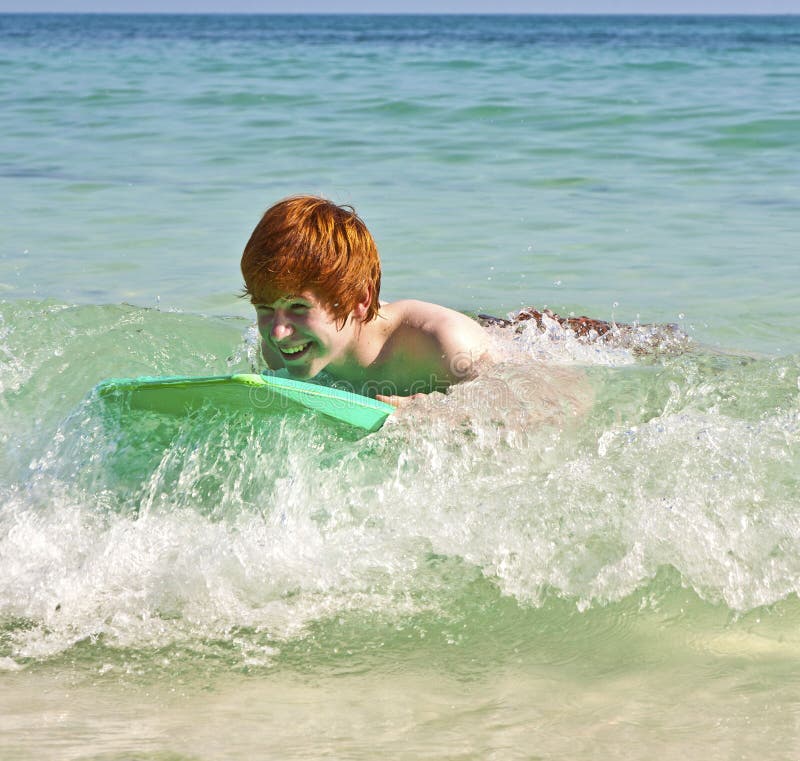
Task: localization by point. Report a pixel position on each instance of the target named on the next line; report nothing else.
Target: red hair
(305, 242)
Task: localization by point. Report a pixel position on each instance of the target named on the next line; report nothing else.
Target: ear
(361, 309)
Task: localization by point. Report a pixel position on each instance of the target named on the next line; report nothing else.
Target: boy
(312, 271)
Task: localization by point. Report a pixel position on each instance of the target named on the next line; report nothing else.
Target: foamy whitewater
(591, 551)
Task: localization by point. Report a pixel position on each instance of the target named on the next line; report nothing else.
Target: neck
(361, 351)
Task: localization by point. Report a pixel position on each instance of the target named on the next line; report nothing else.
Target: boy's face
(302, 332)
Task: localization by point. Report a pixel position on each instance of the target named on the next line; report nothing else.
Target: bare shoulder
(457, 341)
(434, 319)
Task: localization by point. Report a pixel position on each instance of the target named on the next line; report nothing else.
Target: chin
(299, 373)
(303, 372)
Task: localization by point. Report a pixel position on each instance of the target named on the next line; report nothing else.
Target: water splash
(537, 483)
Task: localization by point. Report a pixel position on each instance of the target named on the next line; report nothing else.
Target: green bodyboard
(267, 394)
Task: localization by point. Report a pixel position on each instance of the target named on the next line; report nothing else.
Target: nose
(281, 327)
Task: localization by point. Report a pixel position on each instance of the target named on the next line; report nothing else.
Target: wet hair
(306, 242)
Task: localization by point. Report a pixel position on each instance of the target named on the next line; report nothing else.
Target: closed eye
(295, 307)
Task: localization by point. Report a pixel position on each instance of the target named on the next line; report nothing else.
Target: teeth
(293, 349)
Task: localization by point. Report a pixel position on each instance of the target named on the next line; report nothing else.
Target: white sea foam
(236, 527)
(568, 470)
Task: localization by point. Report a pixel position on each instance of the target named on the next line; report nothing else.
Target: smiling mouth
(294, 352)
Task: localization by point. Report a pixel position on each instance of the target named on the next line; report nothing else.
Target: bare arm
(463, 344)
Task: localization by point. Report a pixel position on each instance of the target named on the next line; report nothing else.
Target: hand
(398, 401)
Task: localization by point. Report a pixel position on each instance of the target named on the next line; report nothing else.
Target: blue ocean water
(590, 552)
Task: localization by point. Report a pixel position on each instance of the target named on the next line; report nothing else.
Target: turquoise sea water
(592, 552)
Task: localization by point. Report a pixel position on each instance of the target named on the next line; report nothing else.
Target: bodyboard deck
(269, 394)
